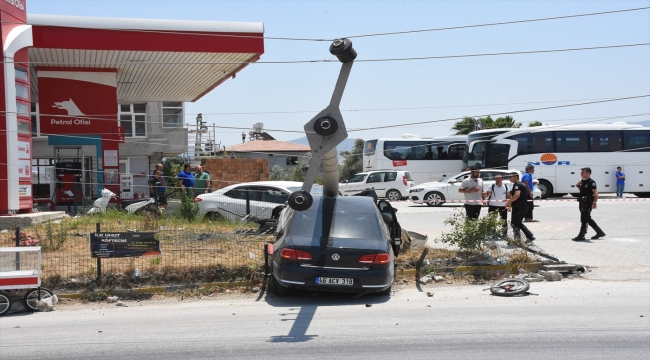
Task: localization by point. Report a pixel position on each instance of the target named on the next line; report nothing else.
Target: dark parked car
(343, 244)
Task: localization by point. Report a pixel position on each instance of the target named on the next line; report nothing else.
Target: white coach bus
(427, 159)
(559, 152)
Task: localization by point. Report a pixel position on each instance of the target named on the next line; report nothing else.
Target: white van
(390, 184)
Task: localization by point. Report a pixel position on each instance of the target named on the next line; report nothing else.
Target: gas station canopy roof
(155, 60)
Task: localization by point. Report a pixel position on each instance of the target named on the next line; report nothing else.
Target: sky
(392, 93)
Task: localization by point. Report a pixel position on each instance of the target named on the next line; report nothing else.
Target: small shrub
(471, 234)
(155, 260)
(189, 210)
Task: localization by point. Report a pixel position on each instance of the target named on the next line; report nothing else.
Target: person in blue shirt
(527, 180)
(187, 179)
(620, 182)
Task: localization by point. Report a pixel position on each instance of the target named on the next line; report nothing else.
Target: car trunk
(337, 252)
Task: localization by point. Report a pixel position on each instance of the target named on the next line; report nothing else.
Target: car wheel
(393, 195)
(277, 288)
(546, 188)
(434, 199)
(214, 216)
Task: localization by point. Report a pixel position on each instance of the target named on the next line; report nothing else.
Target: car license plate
(334, 281)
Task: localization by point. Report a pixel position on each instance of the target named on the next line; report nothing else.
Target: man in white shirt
(472, 187)
(497, 194)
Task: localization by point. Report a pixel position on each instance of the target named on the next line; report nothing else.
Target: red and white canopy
(156, 60)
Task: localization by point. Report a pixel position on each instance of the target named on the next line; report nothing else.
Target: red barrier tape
(542, 200)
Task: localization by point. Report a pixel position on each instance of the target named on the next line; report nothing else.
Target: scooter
(147, 206)
(99, 206)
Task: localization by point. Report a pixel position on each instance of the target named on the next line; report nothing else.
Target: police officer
(587, 202)
(518, 205)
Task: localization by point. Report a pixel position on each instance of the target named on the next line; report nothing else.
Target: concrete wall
(273, 159)
(167, 141)
(226, 172)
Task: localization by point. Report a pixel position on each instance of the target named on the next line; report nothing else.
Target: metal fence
(196, 255)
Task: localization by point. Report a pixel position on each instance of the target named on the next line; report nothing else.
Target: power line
(499, 113)
(92, 116)
(363, 35)
(498, 23)
(45, 63)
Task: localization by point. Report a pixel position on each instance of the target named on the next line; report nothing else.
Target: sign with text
(15, 8)
(77, 102)
(119, 244)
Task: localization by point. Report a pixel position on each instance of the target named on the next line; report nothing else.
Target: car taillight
(382, 258)
(404, 180)
(291, 254)
(197, 199)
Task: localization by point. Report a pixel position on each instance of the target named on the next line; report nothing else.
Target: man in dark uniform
(587, 202)
(518, 205)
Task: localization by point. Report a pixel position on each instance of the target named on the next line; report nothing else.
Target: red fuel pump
(68, 175)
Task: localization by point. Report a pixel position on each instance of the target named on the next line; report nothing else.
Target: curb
(162, 289)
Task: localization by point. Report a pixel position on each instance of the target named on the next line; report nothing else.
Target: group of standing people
(518, 200)
(193, 184)
(499, 199)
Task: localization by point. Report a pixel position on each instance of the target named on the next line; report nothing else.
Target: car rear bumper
(365, 281)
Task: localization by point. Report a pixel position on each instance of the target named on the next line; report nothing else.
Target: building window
(21, 74)
(133, 119)
(22, 91)
(34, 119)
(172, 114)
(24, 127)
(22, 109)
(292, 160)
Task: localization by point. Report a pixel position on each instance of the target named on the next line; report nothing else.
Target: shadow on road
(306, 304)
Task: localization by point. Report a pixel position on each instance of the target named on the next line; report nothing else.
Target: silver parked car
(263, 196)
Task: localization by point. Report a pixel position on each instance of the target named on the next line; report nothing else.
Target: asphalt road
(577, 319)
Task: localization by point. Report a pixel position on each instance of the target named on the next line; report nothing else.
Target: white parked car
(390, 184)
(438, 192)
(263, 196)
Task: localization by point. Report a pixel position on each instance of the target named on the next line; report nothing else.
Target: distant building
(282, 153)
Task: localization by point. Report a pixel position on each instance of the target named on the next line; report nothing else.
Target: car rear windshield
(343, 225)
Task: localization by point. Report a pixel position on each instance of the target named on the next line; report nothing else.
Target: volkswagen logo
(336, 257)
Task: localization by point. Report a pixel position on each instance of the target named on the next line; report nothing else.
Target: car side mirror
(346, 181)
(453, 181)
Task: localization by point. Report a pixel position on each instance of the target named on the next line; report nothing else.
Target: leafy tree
(534, 123)
(469, 124)
(171, 167)
(353, 162)
(465, 126)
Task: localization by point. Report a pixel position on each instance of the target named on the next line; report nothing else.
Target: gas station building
(96, 101)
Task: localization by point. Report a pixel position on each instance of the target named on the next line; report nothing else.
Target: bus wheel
(546, 188)
(434, 199)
